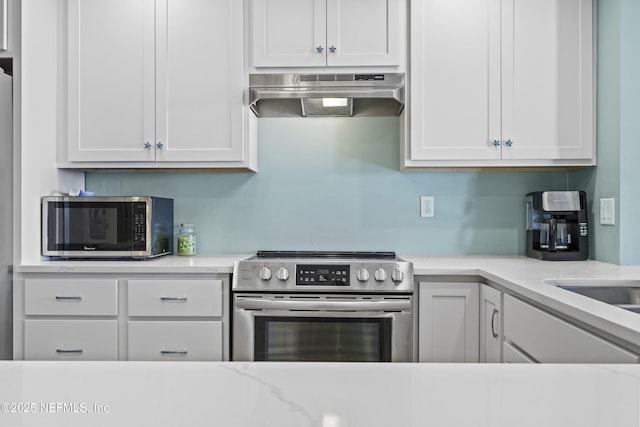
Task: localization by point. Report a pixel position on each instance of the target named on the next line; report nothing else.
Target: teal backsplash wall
(618, 130)
(334, 183)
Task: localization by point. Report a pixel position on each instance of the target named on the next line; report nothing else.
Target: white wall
(43, 53)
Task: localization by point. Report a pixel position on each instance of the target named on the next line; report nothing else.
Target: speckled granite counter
(35, 394)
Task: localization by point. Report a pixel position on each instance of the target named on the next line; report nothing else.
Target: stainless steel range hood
(326, 95)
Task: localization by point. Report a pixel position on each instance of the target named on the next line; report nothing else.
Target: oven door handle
(261, 304)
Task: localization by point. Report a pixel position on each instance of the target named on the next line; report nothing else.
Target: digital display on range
(322, 275)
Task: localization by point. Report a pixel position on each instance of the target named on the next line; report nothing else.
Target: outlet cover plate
(427, 209)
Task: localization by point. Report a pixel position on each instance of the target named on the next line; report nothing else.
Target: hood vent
(326, 95)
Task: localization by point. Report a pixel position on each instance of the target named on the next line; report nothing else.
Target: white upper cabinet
(156, 83)
(501, 83)
(334, 33)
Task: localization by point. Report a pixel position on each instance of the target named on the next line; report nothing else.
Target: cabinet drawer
(59, 297)
(160, 340)
(71, 339)
(175, 298)
(549, 339)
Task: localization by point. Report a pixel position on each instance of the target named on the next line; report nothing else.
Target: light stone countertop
(158, 394)
(222, 264)
(518, 275)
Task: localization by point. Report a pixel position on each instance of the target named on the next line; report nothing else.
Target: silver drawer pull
(62, 351)
(493, 318)
(63, 298)
(179, 299)
(173, 352)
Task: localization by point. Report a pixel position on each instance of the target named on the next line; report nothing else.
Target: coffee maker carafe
(557, 225)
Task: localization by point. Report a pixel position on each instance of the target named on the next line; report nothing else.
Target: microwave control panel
(139, 222)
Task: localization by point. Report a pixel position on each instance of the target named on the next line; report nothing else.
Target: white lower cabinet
(448, 322)
(175, 298)
(490, 325)
(475, 322)
(161, 325)
(545, 338)
(64, 297)
(175, 340)
(121, 317)
(510, 354)
(71, 340)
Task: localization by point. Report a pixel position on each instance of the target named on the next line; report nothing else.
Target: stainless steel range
(323, 306)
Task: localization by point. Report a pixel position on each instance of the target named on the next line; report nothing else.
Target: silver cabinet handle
(178, 299)
(63, 351)
(493, 319)
(508, 143)
(333, 49)
(69, 298)
(147, 146)
(496, 143)
(159, 145)
(173, 352)
(320, 49)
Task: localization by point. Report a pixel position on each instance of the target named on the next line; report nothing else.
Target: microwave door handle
(260, 304)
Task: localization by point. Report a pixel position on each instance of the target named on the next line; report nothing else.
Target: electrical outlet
(427, 207)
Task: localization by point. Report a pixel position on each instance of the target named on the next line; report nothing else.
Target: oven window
(322, 339)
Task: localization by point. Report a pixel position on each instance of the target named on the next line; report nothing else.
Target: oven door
(322, 328)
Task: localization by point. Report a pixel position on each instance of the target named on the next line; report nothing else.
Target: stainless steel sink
(619, 292)
(615, 295)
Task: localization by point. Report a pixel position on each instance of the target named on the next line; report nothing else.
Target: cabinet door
(111, 111)
(547, 79)
(363, 33)
(448, 322)
(289, 33)
(549, 339)
(454, 91)
(490, 325)
(200, 80)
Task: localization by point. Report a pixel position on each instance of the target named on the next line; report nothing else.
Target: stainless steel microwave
(107, 227)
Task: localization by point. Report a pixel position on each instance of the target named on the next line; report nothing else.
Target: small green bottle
(187, 240)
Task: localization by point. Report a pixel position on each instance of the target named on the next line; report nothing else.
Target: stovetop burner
(326, 254)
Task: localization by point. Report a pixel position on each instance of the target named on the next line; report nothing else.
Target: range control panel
(322, 275)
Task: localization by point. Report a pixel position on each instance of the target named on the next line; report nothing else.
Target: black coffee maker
(557, 225)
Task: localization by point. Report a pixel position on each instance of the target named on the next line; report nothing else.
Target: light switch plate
(608, 211)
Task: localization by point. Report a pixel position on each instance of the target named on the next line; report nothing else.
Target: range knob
(397, 275)
(282, 274)
(380, 275)
(265, 273)
(362, 275)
